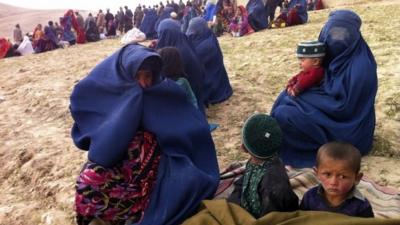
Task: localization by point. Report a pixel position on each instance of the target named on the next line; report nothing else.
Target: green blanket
(220, 212)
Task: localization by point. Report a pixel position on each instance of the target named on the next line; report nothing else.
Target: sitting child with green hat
(310, 54)
(265, 186)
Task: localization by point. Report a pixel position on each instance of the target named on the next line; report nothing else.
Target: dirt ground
(39, 163)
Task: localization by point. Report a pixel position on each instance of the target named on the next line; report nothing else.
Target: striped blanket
(385, 201)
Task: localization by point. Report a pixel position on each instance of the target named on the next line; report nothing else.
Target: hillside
(39, 163)
(27, 18)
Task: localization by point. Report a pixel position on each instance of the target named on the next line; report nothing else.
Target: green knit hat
(262, 136)
(310, 49)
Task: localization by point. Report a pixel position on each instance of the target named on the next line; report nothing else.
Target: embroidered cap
(262, 136)
(311, 49)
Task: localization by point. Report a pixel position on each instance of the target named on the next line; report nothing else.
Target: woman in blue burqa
(217, 87)
(148, 24)
(166, 13)
(151, 158)
(342, 107)
(170, 34)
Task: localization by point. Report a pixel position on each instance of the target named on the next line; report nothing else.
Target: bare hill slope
(27, 18)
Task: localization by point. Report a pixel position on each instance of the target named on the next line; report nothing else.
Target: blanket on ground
(220, 212)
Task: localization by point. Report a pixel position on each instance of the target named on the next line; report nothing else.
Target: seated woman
(342, 107)
(258, 17)
(37, 35)
(92, 33)
(225, 11)
(297, 12)
(48, 41)
(216, 82)
(139, 169)
(239, 25)
(169, 34)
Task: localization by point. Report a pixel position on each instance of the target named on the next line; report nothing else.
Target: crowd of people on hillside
(221, 16)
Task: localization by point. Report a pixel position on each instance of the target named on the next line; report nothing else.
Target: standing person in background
(17, 35)
(160, 9)
(109, 17)
(80, 20)
(120, 19)
(101, 21)
(128, 19)
(89, 19)
(138, 16)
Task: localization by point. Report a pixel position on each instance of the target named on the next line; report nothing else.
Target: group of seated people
(151, 157)
(221, 16)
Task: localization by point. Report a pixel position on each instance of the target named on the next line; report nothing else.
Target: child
(310, 54)
(338, 169)
(265, 185)
(173, 69)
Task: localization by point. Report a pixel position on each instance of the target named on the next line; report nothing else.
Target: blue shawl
(216, 85)
(258, 18)
(210, 11)
(108, 107)
(342, 108)
(301, 10)
(166, 13)
(169, 33)
(148, 24)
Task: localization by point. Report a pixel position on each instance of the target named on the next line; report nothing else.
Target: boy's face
(144, 78)
(337, 178)
(306, 64)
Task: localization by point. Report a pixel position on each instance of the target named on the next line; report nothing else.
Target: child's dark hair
(172, 63)
(339, 150)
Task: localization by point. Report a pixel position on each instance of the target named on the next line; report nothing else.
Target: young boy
(265, 185)
(310, 54)
(338, 169)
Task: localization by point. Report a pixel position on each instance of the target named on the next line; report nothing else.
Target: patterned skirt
(120, 193)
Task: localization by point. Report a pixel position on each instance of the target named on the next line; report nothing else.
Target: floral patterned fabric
(122, 192)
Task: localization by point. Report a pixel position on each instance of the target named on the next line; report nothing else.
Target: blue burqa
(170, 35)
(216, 82)
(342, 108)
(109, 107)
(257, 15)
(166, 13)
(148, 24)
(301, 7)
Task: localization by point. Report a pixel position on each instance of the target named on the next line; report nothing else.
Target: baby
(310, 54)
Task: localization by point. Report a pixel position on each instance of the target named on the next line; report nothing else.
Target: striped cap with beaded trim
(311, 49)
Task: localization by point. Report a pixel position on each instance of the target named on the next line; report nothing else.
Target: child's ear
(317, 62)
(358, 177)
